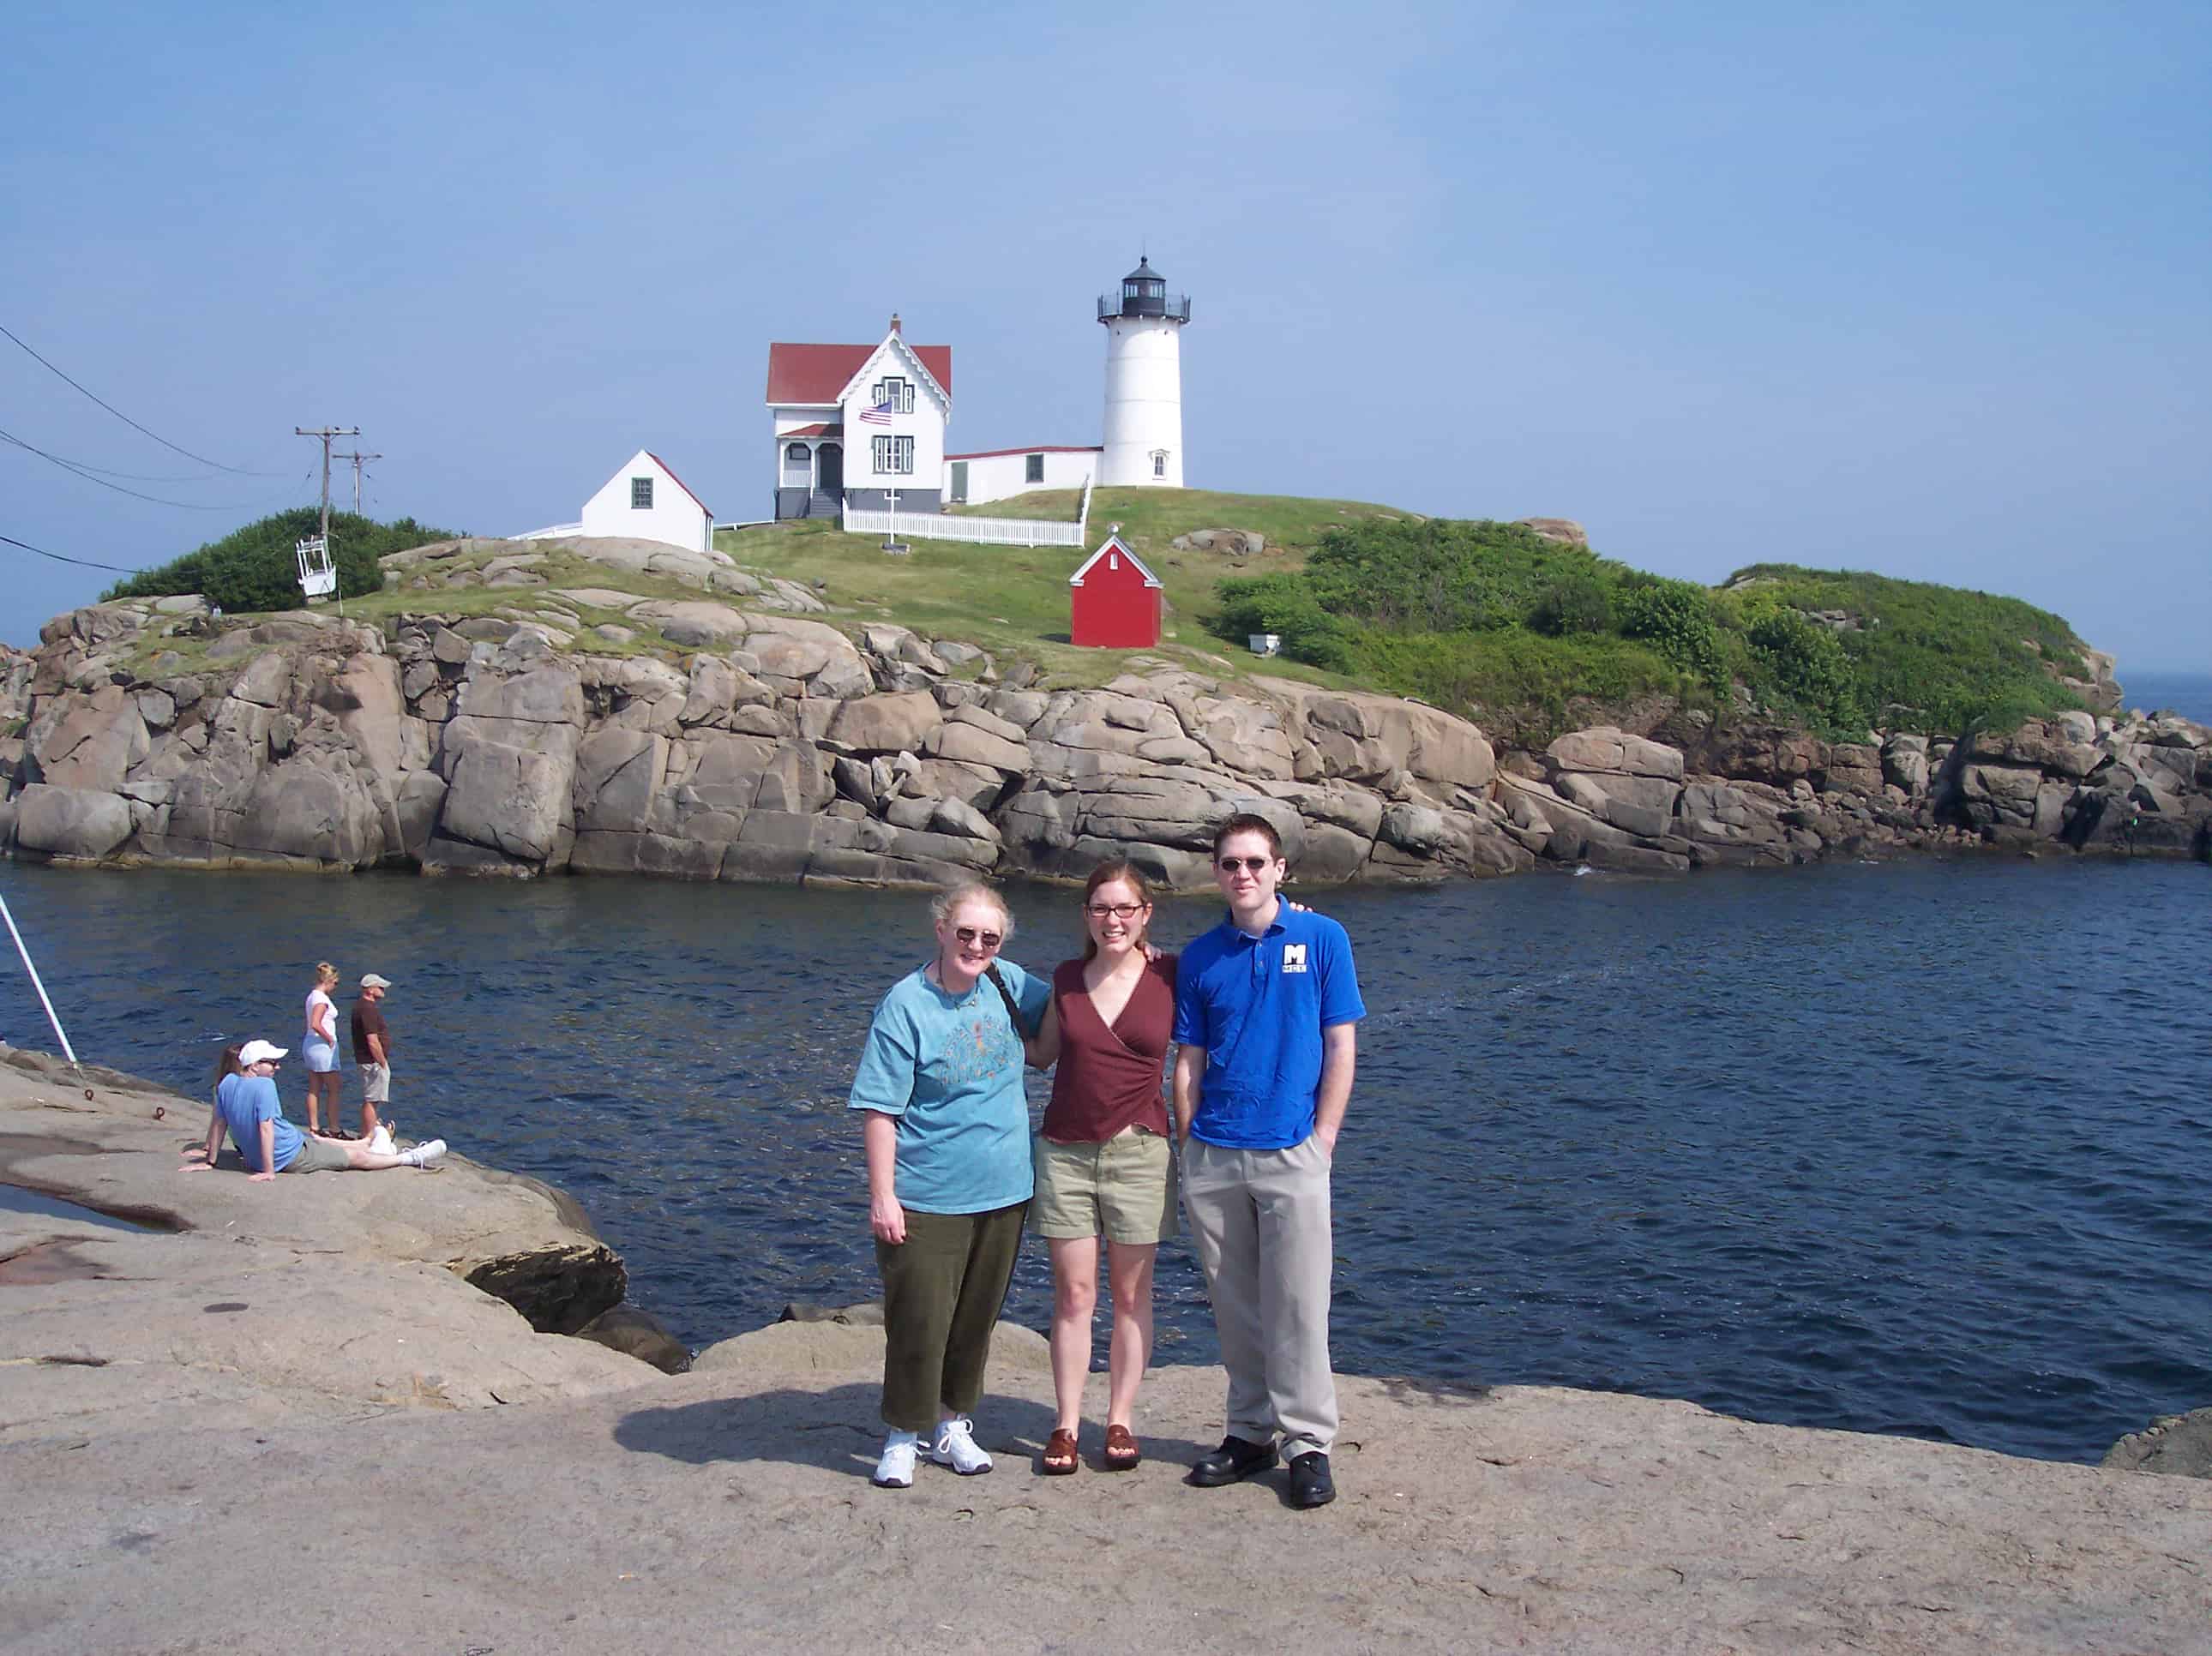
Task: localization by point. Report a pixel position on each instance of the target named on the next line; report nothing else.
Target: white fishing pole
(36, 985)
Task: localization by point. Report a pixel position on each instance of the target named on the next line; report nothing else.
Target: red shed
(1114, 602)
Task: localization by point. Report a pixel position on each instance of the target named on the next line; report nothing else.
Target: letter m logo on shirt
(1294, 957)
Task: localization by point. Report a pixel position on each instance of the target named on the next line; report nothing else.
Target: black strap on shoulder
(1013, 1008)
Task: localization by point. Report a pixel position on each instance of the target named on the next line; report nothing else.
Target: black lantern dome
(1144, 295)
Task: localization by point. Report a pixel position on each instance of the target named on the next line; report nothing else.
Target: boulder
(2179, 1445)
(1603, 748)
(66, 822)
(972, 744)
(639, 1334)
(898, 722)
(1565, 531)
(694, 623)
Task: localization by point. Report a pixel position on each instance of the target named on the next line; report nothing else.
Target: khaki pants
(942, 1290)
(1261, 1222)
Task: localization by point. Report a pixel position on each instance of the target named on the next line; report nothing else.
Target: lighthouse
(1144, 381)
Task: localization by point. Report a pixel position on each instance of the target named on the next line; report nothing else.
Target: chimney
(895, 327)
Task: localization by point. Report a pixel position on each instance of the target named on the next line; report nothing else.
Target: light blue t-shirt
(1258, 1005)
(949, 1069)
(247, 1101)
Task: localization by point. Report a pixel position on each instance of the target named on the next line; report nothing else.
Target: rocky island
(698, 720)
(344, 1381)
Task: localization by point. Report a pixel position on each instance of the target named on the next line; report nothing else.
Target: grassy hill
(1524, 634)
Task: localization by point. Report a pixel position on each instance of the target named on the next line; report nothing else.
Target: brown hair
(1245, 822)
(225, 1063)
(1113, 869)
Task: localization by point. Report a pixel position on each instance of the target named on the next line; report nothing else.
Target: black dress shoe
(1310, 1484)
(1236, 1458)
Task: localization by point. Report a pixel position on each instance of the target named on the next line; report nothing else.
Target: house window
(798, 465)
(640, 494)
(1159, 463)
(897, 393)
(1034, 469)
(893, 454)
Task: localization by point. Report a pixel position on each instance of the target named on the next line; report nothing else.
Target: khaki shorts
(376, 1083)
(318, 1156)
(1123, 1189)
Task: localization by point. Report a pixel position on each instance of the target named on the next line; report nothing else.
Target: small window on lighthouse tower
(1159, 463)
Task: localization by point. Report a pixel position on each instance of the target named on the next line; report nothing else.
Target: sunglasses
(1251, 864)
(970, 937)
(1119, 911)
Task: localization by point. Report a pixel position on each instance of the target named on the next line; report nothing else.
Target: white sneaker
(955, 1448)
(896, 1470)
(423, 1154)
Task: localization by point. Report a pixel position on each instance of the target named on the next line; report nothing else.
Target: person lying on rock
(245, 1102)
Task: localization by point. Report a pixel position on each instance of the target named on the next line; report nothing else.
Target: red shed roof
(816, 373)
(1114, 543)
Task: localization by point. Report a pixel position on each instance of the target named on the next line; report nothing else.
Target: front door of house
(830, 469)
(959, 482)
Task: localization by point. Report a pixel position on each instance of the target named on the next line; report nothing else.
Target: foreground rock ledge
(183, 1413)
(729, 1510)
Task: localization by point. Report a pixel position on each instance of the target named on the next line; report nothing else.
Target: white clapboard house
(856, 424)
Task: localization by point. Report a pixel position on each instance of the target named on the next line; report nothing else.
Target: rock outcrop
(766, 745)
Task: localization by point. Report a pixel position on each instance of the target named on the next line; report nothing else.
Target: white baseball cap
(260, 1051)
(374, 980)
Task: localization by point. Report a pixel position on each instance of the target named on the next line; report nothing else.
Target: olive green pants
(942, 1290)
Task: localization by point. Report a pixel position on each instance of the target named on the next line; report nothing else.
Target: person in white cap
(246, 1104)
(372, 1049)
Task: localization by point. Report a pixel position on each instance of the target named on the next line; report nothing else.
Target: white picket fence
(983, 531)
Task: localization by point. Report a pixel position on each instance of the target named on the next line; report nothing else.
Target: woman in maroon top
(1104, 1164)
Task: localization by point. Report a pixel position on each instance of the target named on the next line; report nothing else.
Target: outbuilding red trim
(1034, 448)
(678, 482)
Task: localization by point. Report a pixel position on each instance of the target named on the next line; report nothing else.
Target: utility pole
(359, 460)
(326, 432)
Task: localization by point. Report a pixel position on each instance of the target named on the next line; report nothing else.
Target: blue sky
(1918, 289)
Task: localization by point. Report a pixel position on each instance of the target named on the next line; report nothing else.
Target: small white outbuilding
(647, 501)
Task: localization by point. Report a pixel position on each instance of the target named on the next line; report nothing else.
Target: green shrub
(1675, 618)
(1284, 604)
(1803, 663)
(256, 568)
(1578, 602)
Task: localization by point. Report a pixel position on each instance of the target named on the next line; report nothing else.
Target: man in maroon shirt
(372, 1050)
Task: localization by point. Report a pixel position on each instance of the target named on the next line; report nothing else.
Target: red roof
(1034, 448)
(678, 482)
(819, 428)
(816, 373)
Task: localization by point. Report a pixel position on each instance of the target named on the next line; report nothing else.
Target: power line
(129, 422)
(135, 494)
(110, 471)
(82, 563)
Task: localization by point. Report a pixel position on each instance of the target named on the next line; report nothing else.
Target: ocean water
(2189, 695)
(1917, 1148)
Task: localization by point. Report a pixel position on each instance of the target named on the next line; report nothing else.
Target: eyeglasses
(1253, 865)
(1119, 911)
(970, 937)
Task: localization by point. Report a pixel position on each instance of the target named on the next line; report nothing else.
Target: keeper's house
(854, 423)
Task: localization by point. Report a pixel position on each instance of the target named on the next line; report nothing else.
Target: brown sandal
(1121, 1449)
(1060, 1455)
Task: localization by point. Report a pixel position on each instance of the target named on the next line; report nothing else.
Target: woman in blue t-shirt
(947, 1130)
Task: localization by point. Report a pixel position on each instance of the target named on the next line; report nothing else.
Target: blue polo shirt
(1258, 1005)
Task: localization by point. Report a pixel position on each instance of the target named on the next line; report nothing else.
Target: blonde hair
(947, 902)
(325, 972)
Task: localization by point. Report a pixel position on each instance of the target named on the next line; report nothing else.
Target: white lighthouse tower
(1144, 381)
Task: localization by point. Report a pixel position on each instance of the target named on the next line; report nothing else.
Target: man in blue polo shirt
(1265, 1008)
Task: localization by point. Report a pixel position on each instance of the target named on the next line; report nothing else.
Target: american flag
(878, 415)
